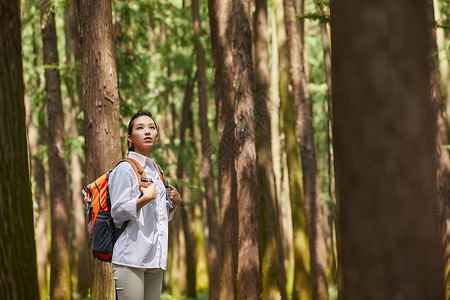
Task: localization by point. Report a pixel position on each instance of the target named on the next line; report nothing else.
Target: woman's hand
(174, 196)
(148, 194)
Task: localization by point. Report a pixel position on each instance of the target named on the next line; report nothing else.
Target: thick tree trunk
(18, 278)
(302, 279)
(59, 210)
(207, 173)
(247, 180)
(220, 19)
(272, 263)
(442, 154)
(304, 124)
(101, 111)
(384, 152)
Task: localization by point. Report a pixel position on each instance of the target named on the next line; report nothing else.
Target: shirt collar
(141, 159)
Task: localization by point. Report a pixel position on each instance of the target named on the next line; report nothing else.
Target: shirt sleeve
(123, 203)
(171, 213)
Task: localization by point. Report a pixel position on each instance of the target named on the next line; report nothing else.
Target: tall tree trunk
(248, 260)
(207, 173)
(36, 139)
(101, 111)
(304, 124)
(442, 154)
(384, 152)
(18, 278)
(274, 108)
(302, 279)
(80, 253)
(59, 210)
(446, 41)
(220, 19)
(331, 253)
(187, 208)
(272, 264)
(40, 196)
(183, 250)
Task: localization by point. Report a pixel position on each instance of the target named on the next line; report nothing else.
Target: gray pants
(137, 283)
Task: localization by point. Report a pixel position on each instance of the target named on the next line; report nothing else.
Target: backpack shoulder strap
(161, 173)
(166, 185)
(140, 173)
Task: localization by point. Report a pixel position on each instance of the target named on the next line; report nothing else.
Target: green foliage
(315, 16)
(149, 79)
(317, 12)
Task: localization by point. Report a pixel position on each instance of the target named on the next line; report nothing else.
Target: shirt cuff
(171, 213)
(131, 209)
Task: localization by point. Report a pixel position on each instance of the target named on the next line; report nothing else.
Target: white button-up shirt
(144, 243)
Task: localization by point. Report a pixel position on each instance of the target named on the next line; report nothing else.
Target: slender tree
(37, 137)
(304, 124)
(187, 210)
(207, 174)
(442, 154)
(101, 111)
(35, 140)
(384, 152)
(18, 279)
(273, 272)
(299, 245)
(59, 210)
(329, 232)
(248, 259)
(220, 23)
(80, 253)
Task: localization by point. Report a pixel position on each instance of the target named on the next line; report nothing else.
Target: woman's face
(143, 135)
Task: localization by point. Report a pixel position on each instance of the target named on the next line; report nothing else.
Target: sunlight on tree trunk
(300, 244)
(273, 275)
(442, 154)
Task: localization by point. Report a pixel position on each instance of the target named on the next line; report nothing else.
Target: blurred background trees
(264, 182)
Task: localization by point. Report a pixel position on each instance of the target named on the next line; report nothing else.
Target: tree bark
(330, 225)
(36, 139)
(248, 206)
(272, 261)
(187, 208)
(80, 253)
(220, 19)
(101, 111)
(18, 278)
(206, 170)
(60, 282)
(384, 152)
(302, 278)
(304, 124)
(442, 154)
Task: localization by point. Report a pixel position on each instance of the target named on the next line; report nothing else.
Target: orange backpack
(102, 231)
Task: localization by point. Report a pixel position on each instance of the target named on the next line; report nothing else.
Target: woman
(140, 253)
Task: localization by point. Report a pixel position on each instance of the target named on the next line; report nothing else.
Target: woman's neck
(143, 152)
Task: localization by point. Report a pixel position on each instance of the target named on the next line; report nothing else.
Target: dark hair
(140, 113)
